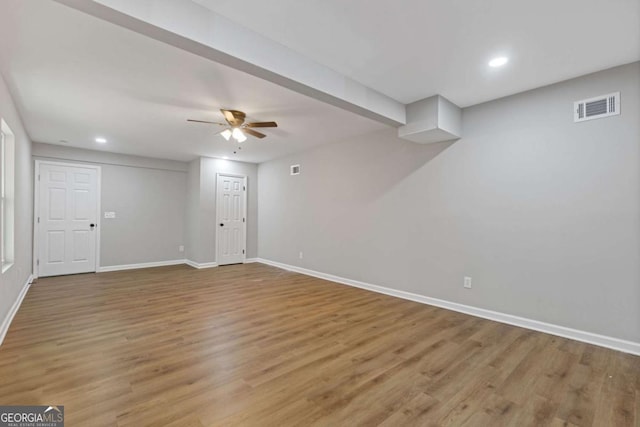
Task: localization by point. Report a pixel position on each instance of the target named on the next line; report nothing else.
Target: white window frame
(7, 197)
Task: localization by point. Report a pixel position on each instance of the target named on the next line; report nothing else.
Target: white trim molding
(251, 260)
(141, 265)
(245, 216)
(200, 265)
(36, 207)
(561, 331)
(4, 327)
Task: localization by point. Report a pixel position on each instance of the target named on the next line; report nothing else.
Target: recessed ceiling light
(498, 62)
(101, 140)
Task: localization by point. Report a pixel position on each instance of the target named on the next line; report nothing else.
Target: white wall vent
(295, 169)
(596, 108)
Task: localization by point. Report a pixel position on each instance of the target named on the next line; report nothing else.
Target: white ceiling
(76, 77)
(413, 49)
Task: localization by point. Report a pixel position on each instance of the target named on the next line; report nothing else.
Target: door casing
(36, 207)
(218, 219)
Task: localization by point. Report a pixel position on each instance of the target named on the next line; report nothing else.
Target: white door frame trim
(36, 207)
(246, 211)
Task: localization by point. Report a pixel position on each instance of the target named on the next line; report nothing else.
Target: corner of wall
(15, 280)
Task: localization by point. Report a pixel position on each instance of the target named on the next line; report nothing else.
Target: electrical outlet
(300, 255)
(180, 248)
(467, 282)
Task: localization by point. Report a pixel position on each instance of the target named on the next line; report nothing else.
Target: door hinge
(38, 220)
(242, 219)
(243, 251)
(244, 188)
(38, 177)
(37, 262)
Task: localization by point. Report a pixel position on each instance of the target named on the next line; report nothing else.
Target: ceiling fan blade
(234, 117)
(262, 125)
(254, 133)
(204, 121)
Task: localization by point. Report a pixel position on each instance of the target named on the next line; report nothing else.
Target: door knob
(221, 225)
(92, 225)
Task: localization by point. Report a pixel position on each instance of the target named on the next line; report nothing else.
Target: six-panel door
(67, 220)
(231, 225)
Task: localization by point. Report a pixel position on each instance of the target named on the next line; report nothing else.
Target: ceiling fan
(237, 127)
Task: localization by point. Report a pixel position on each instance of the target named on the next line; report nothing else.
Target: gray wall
(12, 281)
(201, 207)
(192, 214)
(542, 212)
(160, 205)
(148, 196)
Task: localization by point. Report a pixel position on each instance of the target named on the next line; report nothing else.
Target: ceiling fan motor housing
(234, 117)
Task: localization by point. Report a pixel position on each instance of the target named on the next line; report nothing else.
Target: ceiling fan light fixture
(237, 133)
(226, 134)
(241, 138)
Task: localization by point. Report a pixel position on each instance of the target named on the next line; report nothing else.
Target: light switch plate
(109, 215)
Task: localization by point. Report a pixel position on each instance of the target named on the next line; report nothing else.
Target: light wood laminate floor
(258, 346)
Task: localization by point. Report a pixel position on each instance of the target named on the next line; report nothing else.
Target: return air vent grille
(295, 169)
(598, 107)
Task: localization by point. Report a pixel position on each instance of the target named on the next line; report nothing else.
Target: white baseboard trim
(4, 327)
(251, 260)
(574, 334)
(141, 265)
(200, 264)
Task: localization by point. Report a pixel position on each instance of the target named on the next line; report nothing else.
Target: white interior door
(67, 217)
(231, 202)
